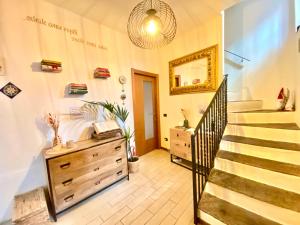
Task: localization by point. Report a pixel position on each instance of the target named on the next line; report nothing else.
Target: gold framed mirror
(196, 72)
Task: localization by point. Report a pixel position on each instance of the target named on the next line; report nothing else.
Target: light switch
(2, 67)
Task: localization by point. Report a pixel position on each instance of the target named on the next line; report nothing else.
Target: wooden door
(146, 111)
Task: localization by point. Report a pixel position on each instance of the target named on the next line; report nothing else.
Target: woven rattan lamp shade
(151, 24)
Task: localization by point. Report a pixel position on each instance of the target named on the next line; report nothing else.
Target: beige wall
(204, 36)
(264, 32)
(23, 133)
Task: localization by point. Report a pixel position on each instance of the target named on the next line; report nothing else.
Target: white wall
(23, 133)
(264, 32)
(204, 36)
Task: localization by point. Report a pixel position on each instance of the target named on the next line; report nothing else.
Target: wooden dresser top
(80, 145)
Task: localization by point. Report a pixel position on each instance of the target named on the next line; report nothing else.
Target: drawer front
(76, 194)
(73, 161)
(71, 180)
(177, 134)
(181, 149)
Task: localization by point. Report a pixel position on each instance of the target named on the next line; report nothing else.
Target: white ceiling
(115, 13)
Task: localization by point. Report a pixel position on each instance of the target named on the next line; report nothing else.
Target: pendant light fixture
(151, 24)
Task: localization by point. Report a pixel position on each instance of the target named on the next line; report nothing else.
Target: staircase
(256, 175)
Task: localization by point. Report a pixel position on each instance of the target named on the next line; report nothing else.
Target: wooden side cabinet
(85, 170)
(180, 143)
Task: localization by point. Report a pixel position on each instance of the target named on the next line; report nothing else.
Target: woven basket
(108, 134)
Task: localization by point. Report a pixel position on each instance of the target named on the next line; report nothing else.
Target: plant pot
(134, 164)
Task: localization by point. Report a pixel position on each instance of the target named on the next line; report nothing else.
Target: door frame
(156, 77)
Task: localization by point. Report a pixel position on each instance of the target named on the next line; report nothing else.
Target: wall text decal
(73, 32)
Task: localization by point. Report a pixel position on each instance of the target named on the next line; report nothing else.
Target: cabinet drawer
(76, 194)
(181, 149)
(178, 134)
(73, 161)
(71, 180)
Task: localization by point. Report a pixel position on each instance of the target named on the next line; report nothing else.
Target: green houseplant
(121, 114)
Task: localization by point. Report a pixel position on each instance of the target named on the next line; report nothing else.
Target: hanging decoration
(10, 90)
(123, 80)
(151, 24)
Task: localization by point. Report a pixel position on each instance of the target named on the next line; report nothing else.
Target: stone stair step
(284, 135)
(284, 126)
(267, 164)
(230, 214)
(244, 105)
(266, 193)
(262, 142)
(262, 116)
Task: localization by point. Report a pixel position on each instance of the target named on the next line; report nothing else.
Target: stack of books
(31, 208)
(77, 89)
(51, 66)
(101, 73)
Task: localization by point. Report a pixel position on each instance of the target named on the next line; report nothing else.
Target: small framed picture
(2, 67)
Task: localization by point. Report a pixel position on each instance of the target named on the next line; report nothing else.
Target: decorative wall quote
(73, 32)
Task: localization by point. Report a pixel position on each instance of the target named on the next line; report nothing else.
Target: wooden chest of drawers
(180, 143)
(85, 170)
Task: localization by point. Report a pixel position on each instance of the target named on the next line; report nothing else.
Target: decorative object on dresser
(101, 73)
(85, 170)
(185, 122)
(53, 121)
(180, 140)
(106, 129)
(51, 66)
(31, 208)
(77, 89)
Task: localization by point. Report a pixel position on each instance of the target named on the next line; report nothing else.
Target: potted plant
(121, 114)
(133, 159)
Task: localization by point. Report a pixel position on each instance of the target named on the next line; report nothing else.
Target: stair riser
(276, 117)
(244, 106)
(278, 214)
(275, 179)
(276, 154)
(209, 219)
(264, 133)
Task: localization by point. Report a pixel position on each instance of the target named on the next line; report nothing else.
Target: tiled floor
(160, 193)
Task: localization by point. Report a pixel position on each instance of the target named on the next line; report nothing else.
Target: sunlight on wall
(261, 31)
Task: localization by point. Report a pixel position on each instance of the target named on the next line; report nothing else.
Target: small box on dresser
(85, 170)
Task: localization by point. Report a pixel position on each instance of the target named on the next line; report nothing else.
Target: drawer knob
(97, 183)
(119, 160)
(184, 144)
(96, 169)
(177, 135)
(67, 182)
(65, 166)
(95, 155)
(189, 145)
(119, 173)
(118, 148)
(69, 198)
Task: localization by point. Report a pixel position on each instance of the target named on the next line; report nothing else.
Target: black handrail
(243, 58)
(205, 142)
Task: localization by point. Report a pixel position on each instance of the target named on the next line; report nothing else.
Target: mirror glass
(191, 73)
(195, 72)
